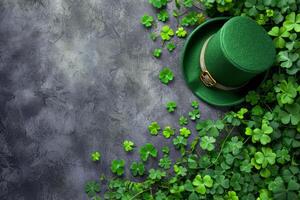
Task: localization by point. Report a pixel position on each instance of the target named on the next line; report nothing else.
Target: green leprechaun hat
(225, 58)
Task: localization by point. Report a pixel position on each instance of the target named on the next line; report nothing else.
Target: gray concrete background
(77, 76)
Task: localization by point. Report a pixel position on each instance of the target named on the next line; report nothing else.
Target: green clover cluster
(250, 153)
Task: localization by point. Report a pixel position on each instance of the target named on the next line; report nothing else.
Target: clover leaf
(192, 18)
(284, 191)
(181, 32)
(180, 170)
(260, 134)
(287, 59)
(265, 157)
(179, 142)
(157, 53)
(286, 91)
(91, 188)
(185, 132)
(166, 33)
(233, 146)
(148, 150)
(207, 143)
(292, 21)
(252, 97)
(166, 75)
(171, 106)
(165, 150)
(231, 195)
(202, 183)
(168, 132)
(147, 20)
(128, 145)
(117, 167)
(291, 114)
(171, 46)
(165, 162)
(156, 174)
(279, 34)
(153, 128)
(195, 114)
(209, 127)
(283, 156)
(137, 169)
(95, 156)
(183, 121)
(195, 104)
(163, 16)
(158, 3)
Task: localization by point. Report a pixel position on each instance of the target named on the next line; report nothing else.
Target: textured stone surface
(77, 76)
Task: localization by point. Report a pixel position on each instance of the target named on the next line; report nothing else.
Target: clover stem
(138, 194)
(222, 146)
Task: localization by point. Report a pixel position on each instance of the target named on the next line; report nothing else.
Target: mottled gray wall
(77, 76)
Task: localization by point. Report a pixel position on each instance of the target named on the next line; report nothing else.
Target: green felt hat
(225, 58)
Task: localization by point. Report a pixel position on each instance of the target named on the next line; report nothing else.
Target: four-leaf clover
(181, 33)
(207, 143)
(153, 128)
(95, 156)
(128, 145)
(147, 20)
(168, 132)
(171, 106)
(166, 33)
(117, 167)
(166, 75)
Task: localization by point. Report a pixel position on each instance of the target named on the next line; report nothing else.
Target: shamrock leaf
(166, 33)
(291, 114)
(220, 184)
(157, 53)
(166, 75)
(128, 145)
(95, 156)
(185, 132)
(231, 195)
(282, 191)
(163, 16)
(171, 46)
(292, 21)
(233, 146)
(253, 7)
(294, 43)
(192, 18)
(158, 3)
(265, 157)
(165, 162)
(168, 132)
(195, 104)
(165, 150)
(287, 59)
(148, 150)
(147, 20)
(195, 114)
(260, 135)
(283, 156)
(252, 97)
(181, 33)
(156, 174)
(117, 167)
(171, 106)
(202, 183)
(137, 169)
(279, 34)
(179, 170)
(207, 143)
(286, 91)
(153, 128)
(245, 166)
(179, 142)
(183, 121)
(209, 127)
(91, 188)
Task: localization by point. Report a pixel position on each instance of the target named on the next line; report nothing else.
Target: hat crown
(247, 45)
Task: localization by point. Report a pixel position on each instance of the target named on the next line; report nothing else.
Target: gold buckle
(207, 79)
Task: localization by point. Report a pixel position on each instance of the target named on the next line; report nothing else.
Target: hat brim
(191, 68)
